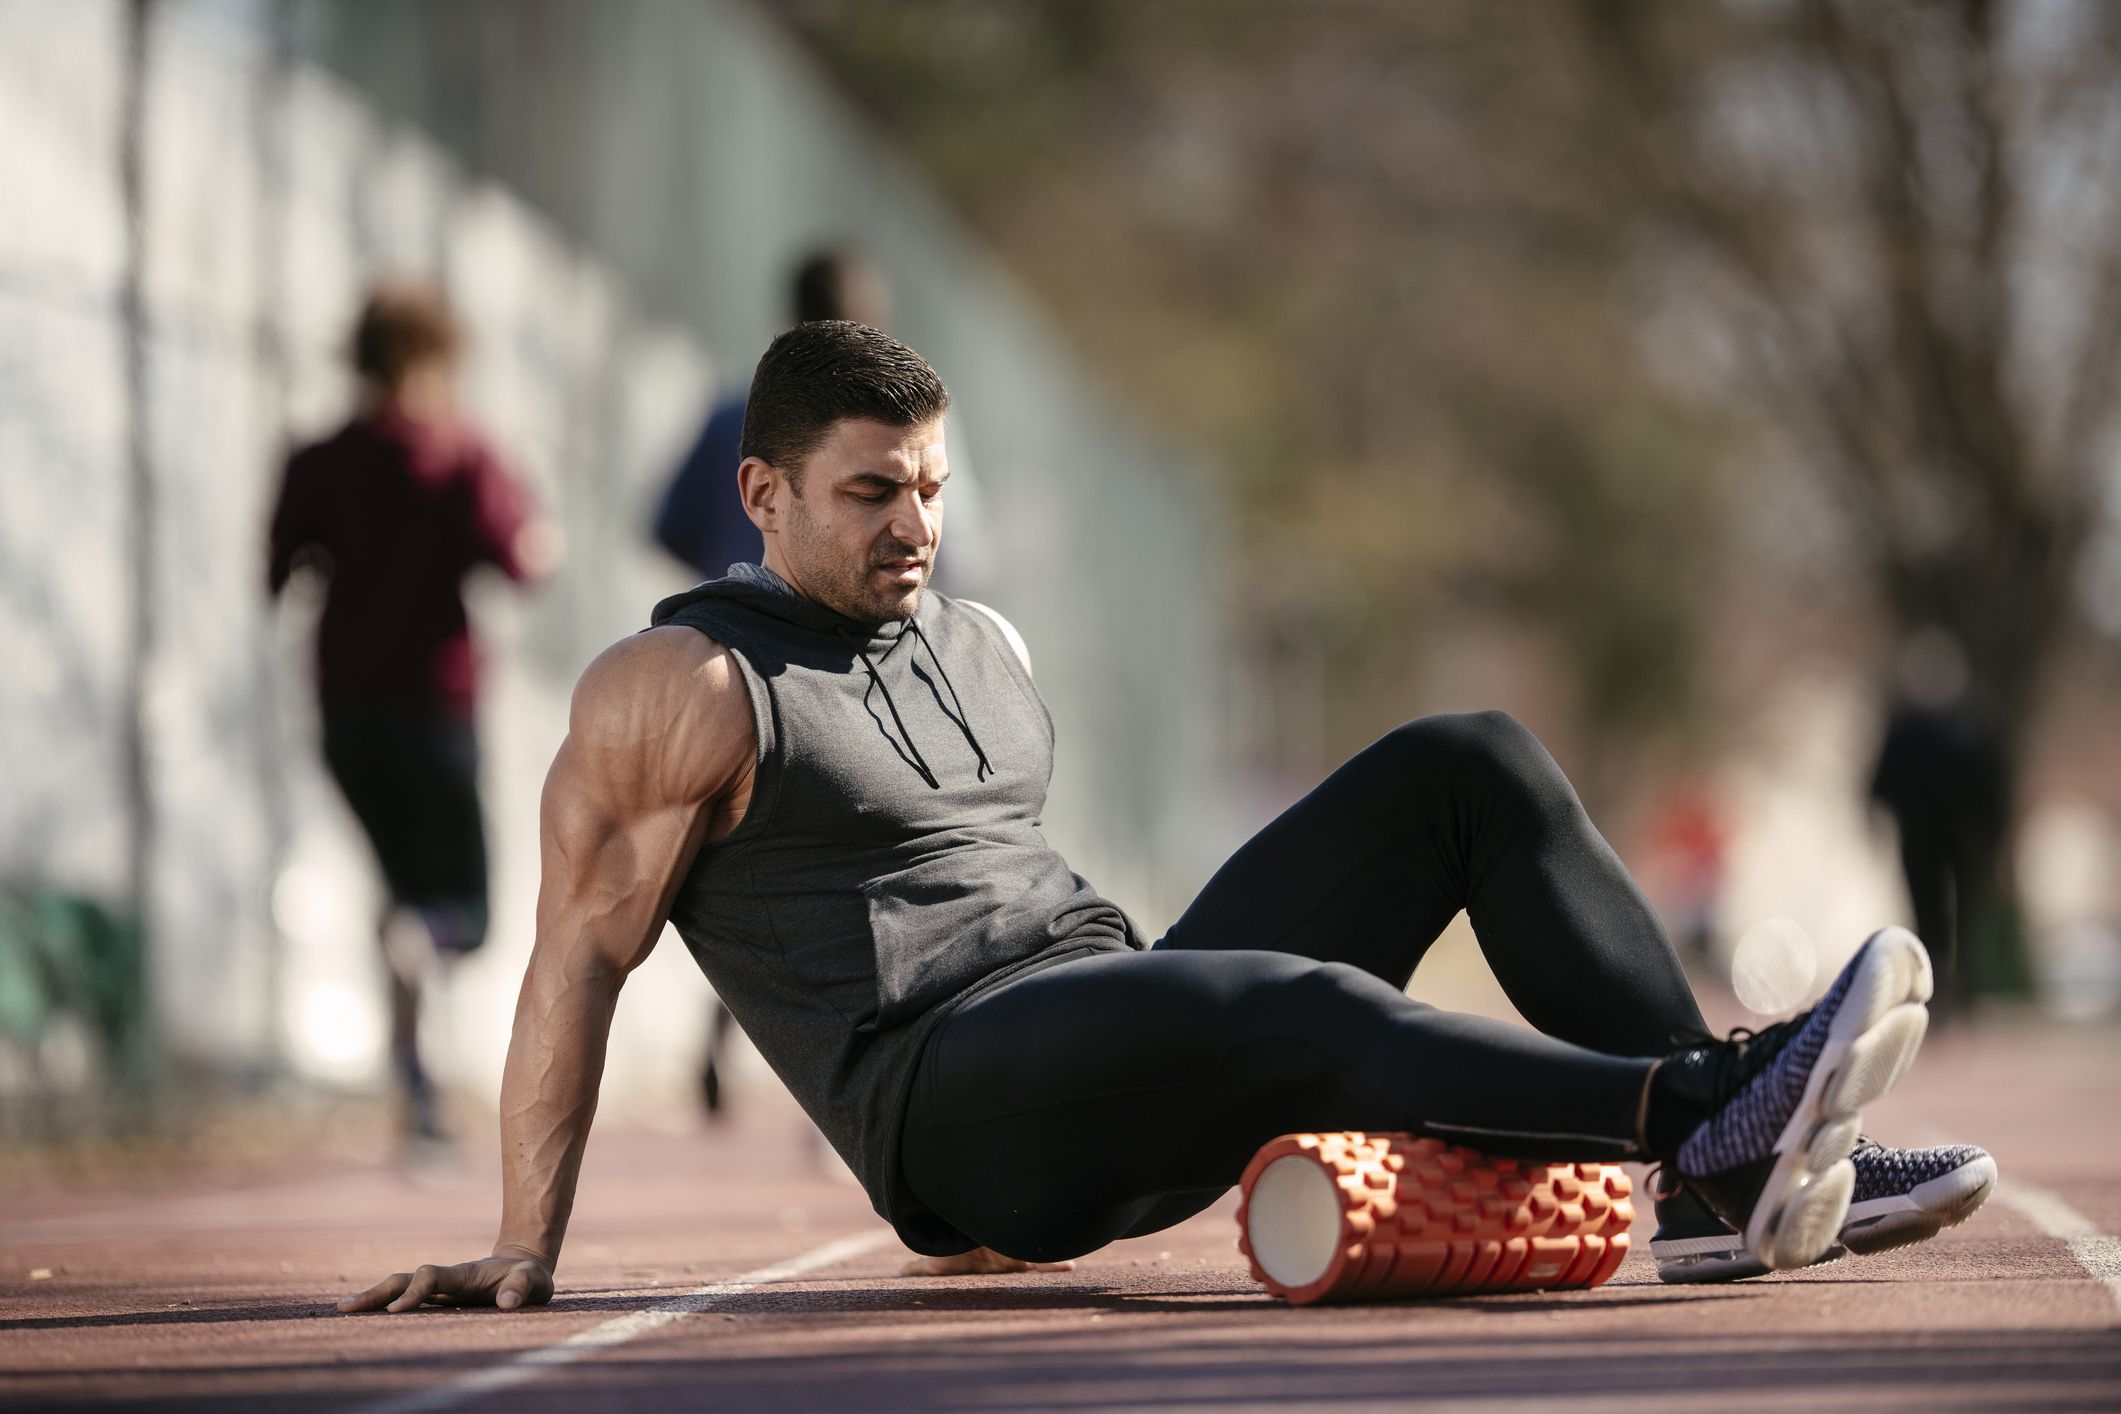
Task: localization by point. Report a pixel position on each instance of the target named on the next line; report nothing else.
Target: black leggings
(1113, 1094)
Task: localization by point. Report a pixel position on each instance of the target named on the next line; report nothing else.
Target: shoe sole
(1716, 1259)
(1870, 1043)
(1881, 1224)
(1353, 1216)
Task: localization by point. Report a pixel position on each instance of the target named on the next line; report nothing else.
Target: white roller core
(1293, 1220)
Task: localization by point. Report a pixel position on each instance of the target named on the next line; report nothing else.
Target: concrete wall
(612, 194)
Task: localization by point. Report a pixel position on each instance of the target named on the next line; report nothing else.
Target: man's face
(860, 535)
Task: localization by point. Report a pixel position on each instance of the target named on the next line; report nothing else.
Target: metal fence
(196, 193)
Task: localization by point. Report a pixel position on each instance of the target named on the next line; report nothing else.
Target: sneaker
(1901, 1196)
(1905, 1196)
(1772, 1157)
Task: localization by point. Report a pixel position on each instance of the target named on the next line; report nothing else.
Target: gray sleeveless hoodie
(890, 863)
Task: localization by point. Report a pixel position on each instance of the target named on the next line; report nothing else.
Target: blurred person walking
(394, 510)
(1943, 776)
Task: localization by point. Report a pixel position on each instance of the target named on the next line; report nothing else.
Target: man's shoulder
(670, 659)
(658, 720)
(659, 681)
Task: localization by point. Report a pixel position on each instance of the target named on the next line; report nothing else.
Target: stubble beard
(849, 587)
(878, 606)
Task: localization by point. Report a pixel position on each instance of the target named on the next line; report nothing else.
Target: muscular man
(830, 782)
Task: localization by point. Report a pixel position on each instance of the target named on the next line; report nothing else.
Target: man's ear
(758, 484)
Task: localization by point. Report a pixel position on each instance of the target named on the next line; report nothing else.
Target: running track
(717, 1271)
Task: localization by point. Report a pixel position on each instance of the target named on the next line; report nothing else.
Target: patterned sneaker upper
(1758, 1088)
(1885, 1172)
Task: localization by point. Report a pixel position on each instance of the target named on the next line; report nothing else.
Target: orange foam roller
(1360, 1217)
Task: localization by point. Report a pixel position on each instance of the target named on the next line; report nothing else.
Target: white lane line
(2097, 1253)
(620, 1329)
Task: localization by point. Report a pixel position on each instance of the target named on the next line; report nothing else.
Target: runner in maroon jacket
(395, 509)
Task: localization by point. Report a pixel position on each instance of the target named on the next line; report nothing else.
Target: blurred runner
(394, 510)
(1943, 776)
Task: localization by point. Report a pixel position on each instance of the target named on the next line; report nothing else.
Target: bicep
(611, 861)
(652, 747)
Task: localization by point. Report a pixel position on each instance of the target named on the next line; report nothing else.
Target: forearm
(548, 1099)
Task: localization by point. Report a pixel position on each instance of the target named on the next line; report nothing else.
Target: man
(701, 520)
(830, 782)
(395, 509)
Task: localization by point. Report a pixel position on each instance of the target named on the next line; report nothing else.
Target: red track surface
(185, 1297)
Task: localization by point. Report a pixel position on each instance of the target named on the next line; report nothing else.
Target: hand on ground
(505, 1280)
(979, 1262)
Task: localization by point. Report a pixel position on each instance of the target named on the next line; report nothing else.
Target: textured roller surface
(1358, 1217)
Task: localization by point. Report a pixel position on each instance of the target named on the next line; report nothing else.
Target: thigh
(1122, 1091)
(359, 749)
(1367, 869)
(1448, 812)
(1118, 1092)
(432, 764)
(412, 781)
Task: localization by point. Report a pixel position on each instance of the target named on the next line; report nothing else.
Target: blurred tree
(1900, 218)
(1474, 304)
(1359, 252)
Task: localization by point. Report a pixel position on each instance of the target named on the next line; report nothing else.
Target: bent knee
(1492, 738)
(1491, 731)
(1491, 754)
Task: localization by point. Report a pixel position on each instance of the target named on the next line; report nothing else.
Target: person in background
(1689, 843)
(701, 518)
(1942, 775)
(394, 510)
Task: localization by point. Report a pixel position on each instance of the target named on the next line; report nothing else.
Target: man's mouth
(907, 569)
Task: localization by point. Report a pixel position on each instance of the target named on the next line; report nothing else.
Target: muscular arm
(659, 742)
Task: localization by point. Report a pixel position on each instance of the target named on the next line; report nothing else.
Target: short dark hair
(402, 323)
(817, 374)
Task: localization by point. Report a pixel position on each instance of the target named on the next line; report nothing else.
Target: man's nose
(916, 521)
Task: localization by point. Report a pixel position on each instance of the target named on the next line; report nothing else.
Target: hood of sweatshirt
(765, 593)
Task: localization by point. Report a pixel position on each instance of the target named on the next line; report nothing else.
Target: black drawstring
(958, 717)
(876, 680)
(964, 723)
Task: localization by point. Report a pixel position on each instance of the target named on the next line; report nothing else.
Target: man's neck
(765, 577)
(760, 577)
